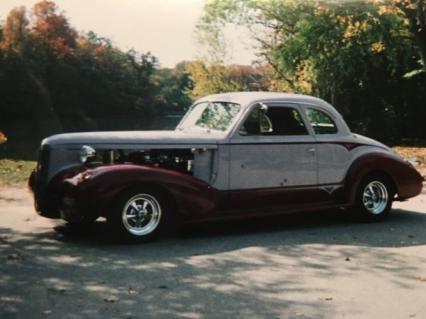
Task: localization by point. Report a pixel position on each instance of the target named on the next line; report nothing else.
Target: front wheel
(139, 215)
(374, 198)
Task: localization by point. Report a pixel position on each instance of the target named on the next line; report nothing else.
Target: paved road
(311, 266)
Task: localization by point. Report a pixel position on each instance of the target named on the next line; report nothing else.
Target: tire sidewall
(115, 220)
(361, 211)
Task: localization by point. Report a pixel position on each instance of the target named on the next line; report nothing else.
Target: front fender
(407, 181)
(97, 187)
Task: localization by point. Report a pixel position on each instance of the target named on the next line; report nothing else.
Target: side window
(321, 122)
(274, 121)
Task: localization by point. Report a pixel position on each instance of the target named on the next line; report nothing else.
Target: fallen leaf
(131, 291)
(110, 300)
(347, 259)
(422, 278)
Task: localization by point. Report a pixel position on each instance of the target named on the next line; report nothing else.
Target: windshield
(211, 115)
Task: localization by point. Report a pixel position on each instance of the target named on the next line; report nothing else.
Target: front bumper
(59, 197)
(46, 204)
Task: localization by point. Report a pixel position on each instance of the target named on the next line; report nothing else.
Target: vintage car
(233, 155)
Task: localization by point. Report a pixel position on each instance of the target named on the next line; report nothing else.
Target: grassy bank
(15, 172)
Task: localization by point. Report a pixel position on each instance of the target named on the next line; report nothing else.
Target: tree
(54, 80)
(414, 11)
(173, 88)
(210, 78)
(15, 29)
(52, 28)
(350, 53)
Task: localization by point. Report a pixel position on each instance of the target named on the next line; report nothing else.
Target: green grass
(14, 172)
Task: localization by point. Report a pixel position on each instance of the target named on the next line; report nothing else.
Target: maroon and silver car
(233, 155)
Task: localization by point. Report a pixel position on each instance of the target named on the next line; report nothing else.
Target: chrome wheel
(375, 197)
(141, 214)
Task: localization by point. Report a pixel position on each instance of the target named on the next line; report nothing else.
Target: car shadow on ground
(401, 228)
(258, 265)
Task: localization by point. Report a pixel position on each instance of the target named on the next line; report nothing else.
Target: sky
(164, 28)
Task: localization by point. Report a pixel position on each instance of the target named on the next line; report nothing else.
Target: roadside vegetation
(15, 172)
(366, 57)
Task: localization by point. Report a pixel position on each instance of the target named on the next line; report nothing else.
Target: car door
(272, 159)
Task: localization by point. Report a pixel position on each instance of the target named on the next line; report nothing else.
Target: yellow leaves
(392, 10)
(342, 19)
(321, 8)
(3, 138)
(377, 47)
(304, 77)
(355, 29)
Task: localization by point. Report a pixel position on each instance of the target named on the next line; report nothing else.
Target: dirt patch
(13, 195)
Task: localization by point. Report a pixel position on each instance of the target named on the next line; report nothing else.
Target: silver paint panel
(264, 165)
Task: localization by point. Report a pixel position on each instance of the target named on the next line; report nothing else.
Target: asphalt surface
(321, 265)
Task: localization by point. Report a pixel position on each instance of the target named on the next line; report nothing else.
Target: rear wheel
(140, 215)
(374, 198)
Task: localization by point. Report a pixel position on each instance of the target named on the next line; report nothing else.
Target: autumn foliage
(367, 57)
(55, 79)
(3, 138)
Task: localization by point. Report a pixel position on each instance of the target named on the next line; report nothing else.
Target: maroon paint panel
(407, 181)
(283, 199)
(96, 188)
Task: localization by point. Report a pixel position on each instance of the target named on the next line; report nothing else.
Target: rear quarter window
(321, 122)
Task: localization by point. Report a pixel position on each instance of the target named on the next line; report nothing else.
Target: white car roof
(248, 98)
(245, 99)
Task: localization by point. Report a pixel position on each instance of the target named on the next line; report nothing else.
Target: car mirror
(263, 108)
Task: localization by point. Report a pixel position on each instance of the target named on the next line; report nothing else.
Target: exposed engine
(177, 159)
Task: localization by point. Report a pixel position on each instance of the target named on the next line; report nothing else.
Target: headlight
(86, 153)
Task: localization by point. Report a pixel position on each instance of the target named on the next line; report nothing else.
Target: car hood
(154, 138)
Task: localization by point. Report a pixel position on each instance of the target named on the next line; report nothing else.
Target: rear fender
(407, 181)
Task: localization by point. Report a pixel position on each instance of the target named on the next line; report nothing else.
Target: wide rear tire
(374, 198)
